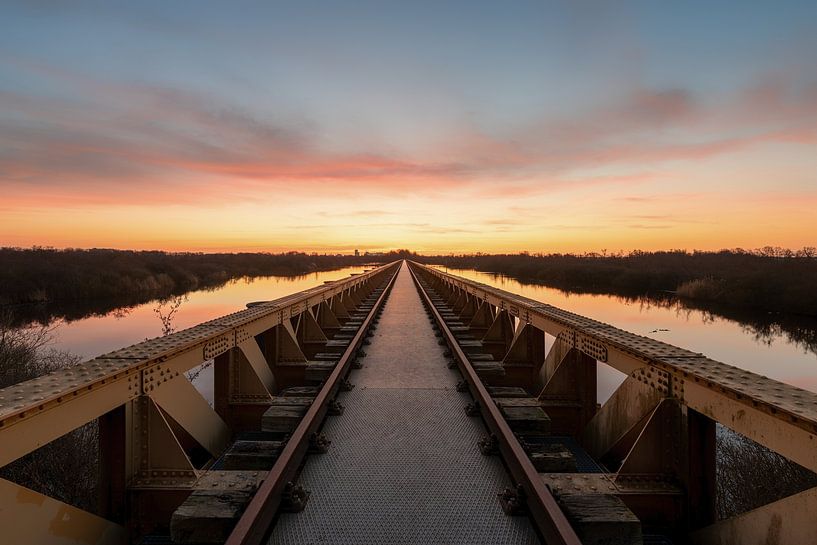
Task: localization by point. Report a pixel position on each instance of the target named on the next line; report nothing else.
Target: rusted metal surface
(541, 504)
(628, 406)
(789, 521)
(86, 391)
(403, 467)
(30, 518)
(257, 519)
(777, 415)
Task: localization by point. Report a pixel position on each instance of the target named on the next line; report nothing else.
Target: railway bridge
(405, 405)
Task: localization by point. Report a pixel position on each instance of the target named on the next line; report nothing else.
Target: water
(95, 335)
(774, 354)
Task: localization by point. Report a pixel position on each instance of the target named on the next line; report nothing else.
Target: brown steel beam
(37, 411)
(255, 523)
(547, 515)
(776, 415)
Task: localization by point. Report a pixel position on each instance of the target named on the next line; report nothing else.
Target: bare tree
(749, 475)
(167, 314)
(166, 311)
(65, 468)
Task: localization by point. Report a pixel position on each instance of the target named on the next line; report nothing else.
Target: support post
(700, 478)
(112, 465)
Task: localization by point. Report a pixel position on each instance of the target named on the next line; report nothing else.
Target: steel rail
(37, 411)
(779, 416)
(256, 522)
(101, 370)
(546, 514)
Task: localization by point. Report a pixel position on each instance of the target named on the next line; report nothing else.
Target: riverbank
(41, 284)
(768, 281)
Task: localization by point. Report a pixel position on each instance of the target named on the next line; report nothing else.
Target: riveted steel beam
(777, 415)
(38, 411)
(30, 518)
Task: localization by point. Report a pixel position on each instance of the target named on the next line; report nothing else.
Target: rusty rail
(777, 415)
(257, 519)
(546, 514)
(37, 411)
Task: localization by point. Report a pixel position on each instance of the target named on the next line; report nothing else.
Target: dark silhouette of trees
(75, 283)
(770, 279)
(66, 468)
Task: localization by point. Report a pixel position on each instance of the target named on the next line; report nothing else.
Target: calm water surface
(775, 356)
(96, 335)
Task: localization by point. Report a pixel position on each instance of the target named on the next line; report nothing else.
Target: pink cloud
(153, 145)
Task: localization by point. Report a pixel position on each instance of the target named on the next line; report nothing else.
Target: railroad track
(408, 456)
(263, 465)
(457, 413)
(518, 445)
(405, 448)
(428, 430)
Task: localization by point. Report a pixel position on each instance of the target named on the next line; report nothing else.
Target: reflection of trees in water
(119, 306)
(804, 336)
(123, 312)
(47, 313)
(167, 310)
(764, 328)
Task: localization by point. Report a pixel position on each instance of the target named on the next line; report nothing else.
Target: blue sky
(97, 98)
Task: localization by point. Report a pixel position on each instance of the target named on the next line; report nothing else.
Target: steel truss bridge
(405, 405)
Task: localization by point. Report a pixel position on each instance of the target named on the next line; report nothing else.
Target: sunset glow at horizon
(464, 127)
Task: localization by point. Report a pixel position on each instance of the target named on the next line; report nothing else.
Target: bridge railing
(150, 415)
(659, 425)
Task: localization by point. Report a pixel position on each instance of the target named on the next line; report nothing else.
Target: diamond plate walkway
(404, 466)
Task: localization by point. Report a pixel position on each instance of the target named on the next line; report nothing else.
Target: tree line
(769, 279)
(77, 282)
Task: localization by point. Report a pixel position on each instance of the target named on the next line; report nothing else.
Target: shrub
(67, 468)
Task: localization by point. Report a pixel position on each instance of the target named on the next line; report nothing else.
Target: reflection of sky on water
(725, 340)
(97, 335)
(721, 339)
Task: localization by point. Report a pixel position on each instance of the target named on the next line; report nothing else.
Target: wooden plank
(520, 402)
(483, 358)
(488, 369)
(282, 418)
(554, 458)
(293, 401)
(526, 419)
(252, 455)
(299, 391)
(317, 371)
(213, 509)
(507, 391)
(601, 519)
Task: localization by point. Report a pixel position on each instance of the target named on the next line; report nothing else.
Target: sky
(435, 126)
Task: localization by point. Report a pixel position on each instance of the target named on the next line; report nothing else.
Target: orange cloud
(169, 162)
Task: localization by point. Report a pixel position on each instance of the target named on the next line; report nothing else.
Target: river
(774, 354)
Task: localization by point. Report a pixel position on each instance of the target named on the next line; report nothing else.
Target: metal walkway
(404, 466)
